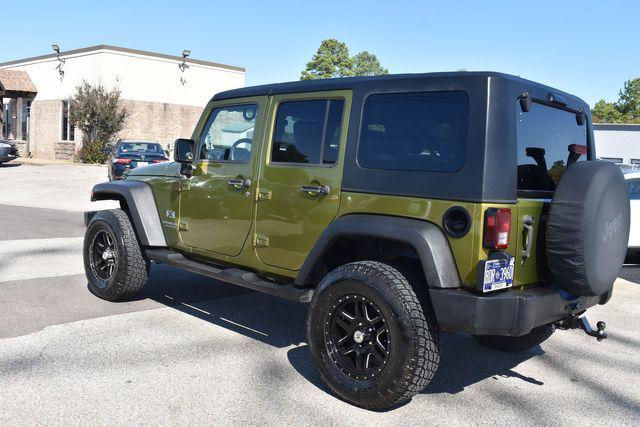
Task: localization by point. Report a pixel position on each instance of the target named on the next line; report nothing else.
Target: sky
(584, 48)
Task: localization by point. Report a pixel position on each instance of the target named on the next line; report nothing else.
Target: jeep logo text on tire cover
(611, 227)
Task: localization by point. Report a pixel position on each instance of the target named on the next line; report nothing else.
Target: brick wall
(146, 120)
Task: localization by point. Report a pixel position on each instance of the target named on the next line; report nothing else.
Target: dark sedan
(128, 154)
(8, 151)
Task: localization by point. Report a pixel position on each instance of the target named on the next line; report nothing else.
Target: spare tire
(588, 228)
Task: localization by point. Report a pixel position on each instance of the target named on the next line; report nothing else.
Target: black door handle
(239, 183)
(315, 190)
(527, 236)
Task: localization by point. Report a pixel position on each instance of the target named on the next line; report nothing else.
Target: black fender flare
(141, 206)
(425, 237)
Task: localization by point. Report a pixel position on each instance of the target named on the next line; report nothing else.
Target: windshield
(136, 148)
(549, 140)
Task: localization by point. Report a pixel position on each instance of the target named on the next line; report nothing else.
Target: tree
(606, 112)
(332, 60)
(629, 99)
(366, 64)
(625, 110)
(100, 115)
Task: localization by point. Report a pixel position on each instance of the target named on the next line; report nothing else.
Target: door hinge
(260, 241)
(183, 226)
(263, 194)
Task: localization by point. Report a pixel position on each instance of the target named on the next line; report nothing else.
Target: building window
(26, 119)
(68, 131)
(616, 160)
(6, 123)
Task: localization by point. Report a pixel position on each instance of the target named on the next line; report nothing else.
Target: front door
(299, 187)
(216, 204)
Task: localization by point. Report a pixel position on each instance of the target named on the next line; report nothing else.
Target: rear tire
(370, 337)
(113, 261)
(516, 344)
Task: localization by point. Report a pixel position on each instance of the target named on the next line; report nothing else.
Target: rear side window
(423, 131)
(307, 132)
(634, 188)
(549, 139)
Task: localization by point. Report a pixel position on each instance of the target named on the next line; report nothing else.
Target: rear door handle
(239, 183)
(315, 190)
(527, 235)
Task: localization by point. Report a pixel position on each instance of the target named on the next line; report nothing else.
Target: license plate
(498, 274)
(142, 164)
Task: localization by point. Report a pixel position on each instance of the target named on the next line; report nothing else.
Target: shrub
(92, 152)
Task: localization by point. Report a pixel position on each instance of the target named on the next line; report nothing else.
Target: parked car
(633, 184)
(127, 154)
(8, 151)
(398, 206)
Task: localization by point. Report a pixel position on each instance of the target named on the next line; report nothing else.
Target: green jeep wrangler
(398, 206)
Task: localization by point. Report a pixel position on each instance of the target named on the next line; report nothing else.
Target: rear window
(548, 139)
(139, 148)
(423, 131)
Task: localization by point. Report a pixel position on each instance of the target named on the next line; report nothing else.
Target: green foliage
(366, 64)
(625, 110)
(92, 152)
(99, 114)
(606, 112)
(333, 60)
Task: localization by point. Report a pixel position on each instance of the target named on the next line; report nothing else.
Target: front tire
(372, 340)
(515, 344)
(113, 261)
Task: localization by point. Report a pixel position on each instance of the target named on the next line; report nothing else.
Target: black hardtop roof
(362, 83)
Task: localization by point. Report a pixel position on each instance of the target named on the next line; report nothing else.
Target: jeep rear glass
(545, 135)
(421, 131)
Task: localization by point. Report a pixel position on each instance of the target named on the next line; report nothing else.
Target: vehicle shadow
(282, 323)
(10, 165)
(630, 272)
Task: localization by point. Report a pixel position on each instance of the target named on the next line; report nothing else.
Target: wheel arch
(403, 238)
(136, 199)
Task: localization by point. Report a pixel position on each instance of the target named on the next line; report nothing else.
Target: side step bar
(234, 276)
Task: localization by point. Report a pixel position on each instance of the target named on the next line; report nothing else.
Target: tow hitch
(581, 322)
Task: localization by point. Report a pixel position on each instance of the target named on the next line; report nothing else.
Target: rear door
(549, 139)
(301, 177)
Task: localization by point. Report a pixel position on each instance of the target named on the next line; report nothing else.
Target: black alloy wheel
(357, 337)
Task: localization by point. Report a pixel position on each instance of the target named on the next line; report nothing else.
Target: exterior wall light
(61, 61)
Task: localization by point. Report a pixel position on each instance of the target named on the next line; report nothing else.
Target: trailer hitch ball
(599, 333)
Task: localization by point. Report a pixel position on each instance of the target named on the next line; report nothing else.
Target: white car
(633, 183)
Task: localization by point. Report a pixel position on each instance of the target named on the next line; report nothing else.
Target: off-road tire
(131, 269)
(413, 346)
(516, 344)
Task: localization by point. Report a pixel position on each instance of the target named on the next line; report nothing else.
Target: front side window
(549, 140)
(307, 132)
(228, 134)
(68, 131)
(422, 131)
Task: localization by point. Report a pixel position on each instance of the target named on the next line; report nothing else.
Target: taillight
(497, 227)
(122, 161)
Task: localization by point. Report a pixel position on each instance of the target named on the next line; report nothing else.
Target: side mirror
(183, 153)
(183, 150)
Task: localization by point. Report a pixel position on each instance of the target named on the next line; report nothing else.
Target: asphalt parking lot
(194, 351)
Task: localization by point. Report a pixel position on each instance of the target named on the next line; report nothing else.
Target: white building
(163, 94)
(619, 143)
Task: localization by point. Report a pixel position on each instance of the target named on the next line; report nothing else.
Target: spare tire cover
(588, 228)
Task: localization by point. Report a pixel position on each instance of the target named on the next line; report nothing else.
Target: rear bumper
(8, 153)
(512, 312)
